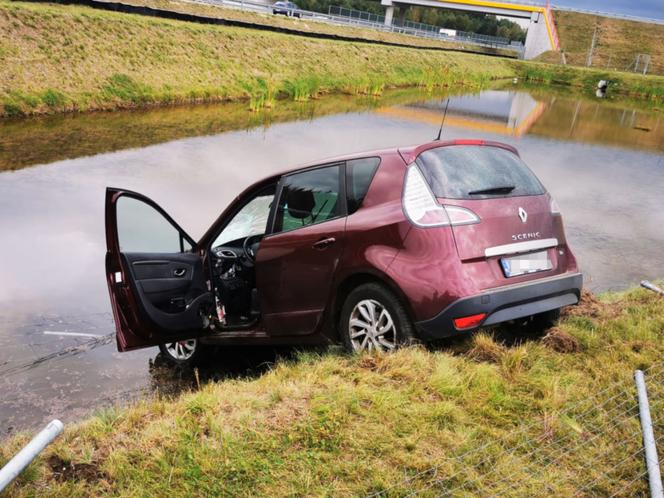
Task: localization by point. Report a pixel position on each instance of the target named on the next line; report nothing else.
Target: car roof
(411, 153)
(407, 153)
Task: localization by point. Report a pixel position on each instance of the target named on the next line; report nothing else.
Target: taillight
(422, 208)
(555, 209)
(469, 322)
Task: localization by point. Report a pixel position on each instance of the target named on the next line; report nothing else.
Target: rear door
(296, 264)
(155, 278)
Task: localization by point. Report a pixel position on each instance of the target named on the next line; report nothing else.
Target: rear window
(464, 171)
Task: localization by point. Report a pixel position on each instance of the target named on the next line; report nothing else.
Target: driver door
(155, 278)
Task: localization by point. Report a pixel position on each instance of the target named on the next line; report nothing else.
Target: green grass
(57, 58)
(64, 58)
(649, 88)
(496, 414)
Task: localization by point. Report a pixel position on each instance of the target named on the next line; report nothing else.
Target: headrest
(300, 203)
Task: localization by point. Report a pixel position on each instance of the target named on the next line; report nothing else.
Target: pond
(602, 160)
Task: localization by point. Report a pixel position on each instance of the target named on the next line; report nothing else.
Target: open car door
(155, 278)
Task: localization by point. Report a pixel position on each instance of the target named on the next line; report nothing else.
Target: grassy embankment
(617, 45)
(618, 41)
(534, 417)
(650, 88)
(58, 58)
(306, 25)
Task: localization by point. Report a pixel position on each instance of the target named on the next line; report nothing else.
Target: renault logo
(523, 215)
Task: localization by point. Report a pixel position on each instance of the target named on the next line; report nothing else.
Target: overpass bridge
(541, 36)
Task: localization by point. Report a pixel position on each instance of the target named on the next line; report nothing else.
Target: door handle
(179, 272)
(324, 243)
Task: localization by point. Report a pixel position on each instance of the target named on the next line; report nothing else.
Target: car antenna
(443, 121)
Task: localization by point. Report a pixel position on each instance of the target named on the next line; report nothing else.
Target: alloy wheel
(182, 350)
(371, 327)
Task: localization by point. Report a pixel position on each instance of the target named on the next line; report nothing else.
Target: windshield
(477, 172)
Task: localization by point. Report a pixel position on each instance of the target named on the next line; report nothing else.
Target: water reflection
(493, 111)
(512, 112)
(517, 113)
(41, 140)
(602, 162)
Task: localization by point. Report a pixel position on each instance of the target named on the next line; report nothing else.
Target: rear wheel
(373, 319)
(182, 353)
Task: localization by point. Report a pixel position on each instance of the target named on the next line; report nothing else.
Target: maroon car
(374, 250)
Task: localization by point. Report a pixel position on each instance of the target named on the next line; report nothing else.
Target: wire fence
(592, 447)
(375, 21)
(613, 15)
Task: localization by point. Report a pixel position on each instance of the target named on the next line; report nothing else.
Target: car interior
(235, 248)
(233, 263)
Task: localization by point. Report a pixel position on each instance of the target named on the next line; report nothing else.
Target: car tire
(186, 353)
(364, 319)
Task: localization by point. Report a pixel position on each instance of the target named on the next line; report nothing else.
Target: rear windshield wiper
(493, 190)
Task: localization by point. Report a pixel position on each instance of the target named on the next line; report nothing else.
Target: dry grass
(57, 58)
(303, 25)
(617, 45)
(517, 418)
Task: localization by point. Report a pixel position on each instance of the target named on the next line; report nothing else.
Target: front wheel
(182, 353)
(373, 319)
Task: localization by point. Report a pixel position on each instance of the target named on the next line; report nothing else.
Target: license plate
(526, 263)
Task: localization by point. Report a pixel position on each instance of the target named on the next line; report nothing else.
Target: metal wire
(533, 451)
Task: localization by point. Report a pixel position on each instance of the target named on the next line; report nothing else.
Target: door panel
(156, 282)
(294, 275)
(165, 297)
(295, 266)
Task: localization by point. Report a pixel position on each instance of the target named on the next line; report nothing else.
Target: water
(603, 161)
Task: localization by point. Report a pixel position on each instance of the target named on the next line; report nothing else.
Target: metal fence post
(647, 285)
(652, 461)
(23, 458)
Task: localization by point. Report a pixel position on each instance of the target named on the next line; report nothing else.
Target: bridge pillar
(389, 11)
(389, 15)
(537, 38)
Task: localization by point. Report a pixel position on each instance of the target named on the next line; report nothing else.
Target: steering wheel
(249, 249)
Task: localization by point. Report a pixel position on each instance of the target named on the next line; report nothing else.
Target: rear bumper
(504, 304)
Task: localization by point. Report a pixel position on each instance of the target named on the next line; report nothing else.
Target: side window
(309, 197)
(251, 219)
(359, 173)
(141, 228)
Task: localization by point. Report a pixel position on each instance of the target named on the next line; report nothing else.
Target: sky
(642, 8)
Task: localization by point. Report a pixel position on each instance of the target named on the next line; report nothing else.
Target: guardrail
(376, 21)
